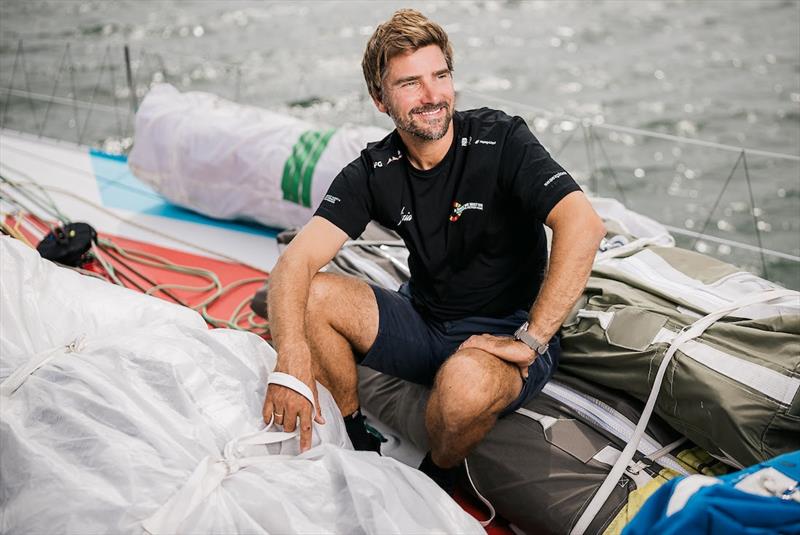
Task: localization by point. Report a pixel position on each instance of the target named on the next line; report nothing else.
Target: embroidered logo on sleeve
(331, 199)
(459, 209)
(554, 177)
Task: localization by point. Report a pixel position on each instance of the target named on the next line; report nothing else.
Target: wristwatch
(527, 338)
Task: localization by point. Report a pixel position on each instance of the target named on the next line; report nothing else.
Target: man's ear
(379, 105)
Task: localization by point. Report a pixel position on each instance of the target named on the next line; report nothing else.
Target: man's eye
(409, 84)
(444, 75)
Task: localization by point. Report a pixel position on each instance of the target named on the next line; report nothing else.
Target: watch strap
(528, 339)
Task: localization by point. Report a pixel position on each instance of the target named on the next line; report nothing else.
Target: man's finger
(475, 341)
(277, 415)
(524, 366)
(266, 411)
(305, 429)
(290, 419)
(318, 416)
(523, 370)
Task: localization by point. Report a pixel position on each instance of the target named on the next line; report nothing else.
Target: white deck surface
(100, 190)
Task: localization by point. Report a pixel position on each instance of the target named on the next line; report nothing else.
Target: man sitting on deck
(468, 192)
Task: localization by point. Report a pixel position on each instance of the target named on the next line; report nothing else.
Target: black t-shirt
(473, 224)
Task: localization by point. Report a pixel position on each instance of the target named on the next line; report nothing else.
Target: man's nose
(427, 92)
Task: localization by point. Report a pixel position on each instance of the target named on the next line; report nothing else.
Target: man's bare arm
(577, 231)
(313, 247)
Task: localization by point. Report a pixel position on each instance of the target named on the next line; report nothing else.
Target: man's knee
(322, 288)
(346, 304)
(473, 383)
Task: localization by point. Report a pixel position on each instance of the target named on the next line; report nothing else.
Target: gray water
(727, 72)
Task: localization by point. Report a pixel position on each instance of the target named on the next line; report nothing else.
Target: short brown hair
(406, 31)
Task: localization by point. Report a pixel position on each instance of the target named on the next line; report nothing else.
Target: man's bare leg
(471, 389)
(342, 315)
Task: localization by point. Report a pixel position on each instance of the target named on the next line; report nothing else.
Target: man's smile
(431, 112)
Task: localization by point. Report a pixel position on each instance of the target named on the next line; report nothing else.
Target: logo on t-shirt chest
(459, 209)
(404, 216)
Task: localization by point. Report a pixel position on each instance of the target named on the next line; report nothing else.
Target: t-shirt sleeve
(348, 202)
(531, 175)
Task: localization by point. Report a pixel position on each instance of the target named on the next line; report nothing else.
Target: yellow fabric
(635, 501)
(698, 460)
(695, 460)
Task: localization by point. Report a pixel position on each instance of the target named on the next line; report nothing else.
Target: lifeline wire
(587, 139)
(19, 60)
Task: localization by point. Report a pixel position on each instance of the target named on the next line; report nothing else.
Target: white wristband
(290, 381)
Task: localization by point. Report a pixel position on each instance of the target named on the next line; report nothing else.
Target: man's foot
(444, 477)
(363, 436)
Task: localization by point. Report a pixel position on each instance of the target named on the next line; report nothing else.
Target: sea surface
(726, 72)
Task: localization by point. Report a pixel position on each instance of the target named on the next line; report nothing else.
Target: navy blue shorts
(412, 347)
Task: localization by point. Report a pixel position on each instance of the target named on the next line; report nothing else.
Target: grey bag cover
(539, 479)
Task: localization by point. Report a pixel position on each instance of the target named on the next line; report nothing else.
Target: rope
(152, 260)
(48, 204)
(108, 250)
(146, 228)
(82, 173)
(11, 231)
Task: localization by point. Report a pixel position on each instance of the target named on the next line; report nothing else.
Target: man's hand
(505, 348)
(287, 406)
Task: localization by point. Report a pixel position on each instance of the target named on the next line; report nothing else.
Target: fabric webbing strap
(208, 475)
(545, 421)
(692, 331)
(21, 374)
(767, 381)
(635, 245)
(290, 381)
(603, 317)
(213, 470)
(481, 497)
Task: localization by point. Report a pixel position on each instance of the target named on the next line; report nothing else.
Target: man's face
(418, 93)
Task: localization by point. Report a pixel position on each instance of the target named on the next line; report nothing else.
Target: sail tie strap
(690, 332)
(21, 374)
(209, 474)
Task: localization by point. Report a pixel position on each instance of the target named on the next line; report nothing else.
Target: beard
(418, 126)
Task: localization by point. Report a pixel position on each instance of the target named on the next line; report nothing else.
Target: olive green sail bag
(734, 390)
